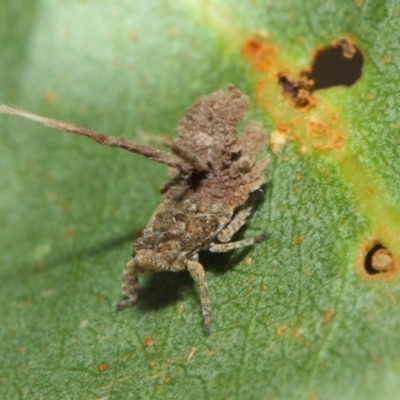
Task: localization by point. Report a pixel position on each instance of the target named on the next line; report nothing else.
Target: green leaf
(294, 317)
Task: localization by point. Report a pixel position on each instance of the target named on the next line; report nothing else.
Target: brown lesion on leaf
(338, 64)
(298, 87)
(283, 91)
(325, 134)
(348, 46)
(318, 131)
(260, 50)
(376, 262)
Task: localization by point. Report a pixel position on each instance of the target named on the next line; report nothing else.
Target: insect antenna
(108, 140)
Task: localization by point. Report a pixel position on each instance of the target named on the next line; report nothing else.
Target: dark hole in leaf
(336, 65)
(379, 260)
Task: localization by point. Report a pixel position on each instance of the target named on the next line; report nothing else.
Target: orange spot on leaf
(282, 329)
(387, 59)
(102, 367)
(298, 239)
(313, 396)
(149, 341)
(328, 314)
(69, 231)
(325, 135)
(259, 51)
(247, 261)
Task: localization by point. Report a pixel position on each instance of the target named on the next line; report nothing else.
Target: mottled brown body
(203, 205)
(213, 177)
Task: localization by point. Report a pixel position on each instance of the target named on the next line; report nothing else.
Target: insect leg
(239, 218)
(189, 156)
(129, 285)
(196, 271)
(223, 247)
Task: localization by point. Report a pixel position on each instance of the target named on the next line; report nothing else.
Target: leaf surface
(294, 317)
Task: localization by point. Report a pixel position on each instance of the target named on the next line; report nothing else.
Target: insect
(214, 182)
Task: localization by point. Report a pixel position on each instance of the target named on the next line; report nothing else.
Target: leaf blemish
(149, 341)
(247, 261)
(298, 89)
(327, 134)
(298, 239)
(279, 137)
(259, 49)
(102, 367)
(328, 314)
(281, 330)
(339, 64)
(377, 262)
